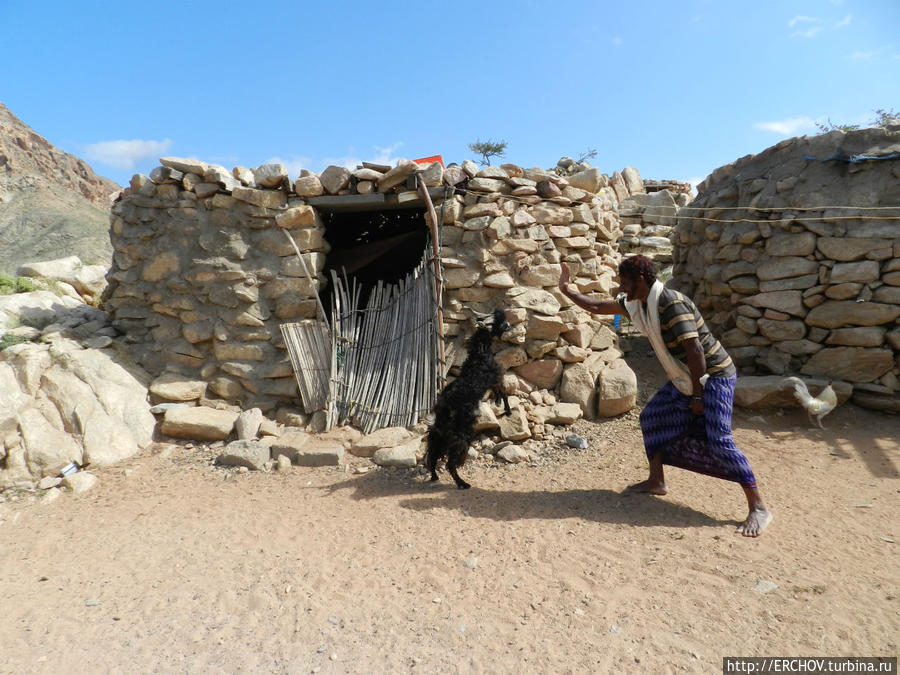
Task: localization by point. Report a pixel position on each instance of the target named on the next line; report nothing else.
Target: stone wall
(203, 275)
(794, 258)
(648, 217)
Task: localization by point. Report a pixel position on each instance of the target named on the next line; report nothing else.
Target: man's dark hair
(638, 266)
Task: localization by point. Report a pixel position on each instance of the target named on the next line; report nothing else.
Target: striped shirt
(679, 319)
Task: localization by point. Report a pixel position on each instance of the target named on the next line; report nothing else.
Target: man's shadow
(599, 505)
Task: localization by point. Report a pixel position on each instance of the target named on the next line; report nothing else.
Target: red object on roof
(430, 160)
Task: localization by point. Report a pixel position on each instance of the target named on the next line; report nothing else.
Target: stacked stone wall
(203, 275)
(648, 218)
(793, 255)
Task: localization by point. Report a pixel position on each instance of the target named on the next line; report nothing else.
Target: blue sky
(674, 88)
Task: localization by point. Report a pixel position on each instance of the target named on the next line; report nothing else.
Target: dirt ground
(171, 565)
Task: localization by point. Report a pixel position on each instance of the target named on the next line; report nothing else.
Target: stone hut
(794, 257)
(207, 268)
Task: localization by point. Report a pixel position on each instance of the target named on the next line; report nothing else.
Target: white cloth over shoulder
(646, 320)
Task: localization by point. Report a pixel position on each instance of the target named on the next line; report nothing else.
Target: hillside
(52, 204)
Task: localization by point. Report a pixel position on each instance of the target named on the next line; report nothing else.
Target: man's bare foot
(648, 486)
(756, 522)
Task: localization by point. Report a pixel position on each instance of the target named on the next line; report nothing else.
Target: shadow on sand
(597, 505)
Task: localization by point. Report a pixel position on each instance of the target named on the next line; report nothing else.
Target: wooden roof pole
(438, 280)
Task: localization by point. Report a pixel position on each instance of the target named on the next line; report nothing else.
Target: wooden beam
(379, 201)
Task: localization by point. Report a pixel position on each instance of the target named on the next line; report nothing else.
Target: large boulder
(62, 403)
(616, 389)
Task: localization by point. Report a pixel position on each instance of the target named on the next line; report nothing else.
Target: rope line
(772, 209)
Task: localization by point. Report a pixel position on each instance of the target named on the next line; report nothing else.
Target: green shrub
(10, 340)
(10, 285)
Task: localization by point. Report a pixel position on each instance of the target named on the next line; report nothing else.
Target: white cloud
(807, 26)
(386, 155)
(125, 154)
(810, 32)
(617, 41)
(863, 56)
(844, 22)
(788, 127)
(800, 18)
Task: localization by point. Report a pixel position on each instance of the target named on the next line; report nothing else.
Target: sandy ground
(170, 565)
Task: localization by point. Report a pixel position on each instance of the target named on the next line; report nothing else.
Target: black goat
(457, 405)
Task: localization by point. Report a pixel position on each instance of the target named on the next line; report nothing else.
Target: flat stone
(184, 165)
(270, 199)
(862, 272)
(845, 249)
(334, 179)
(387, 437)
(176, 387)
(309, 186)
(403, 455)
(319, 453)
(789, 302)
(542, 373)
(869, 336)
(836, 314)
(782, 330)
(514, 454)
(79, 482)
(270, 175)
(565, 413)
(780, 268)
(289, 444)
(249, 453)
(514, 427)
(789, 244)
(198, 423)
(855, 364)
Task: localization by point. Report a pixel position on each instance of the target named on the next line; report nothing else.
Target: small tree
(831, 126)
(885, 117)
(590, 153)
(488, 149)
(882, 119)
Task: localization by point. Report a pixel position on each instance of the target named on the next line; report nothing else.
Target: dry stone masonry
(203, 276)
(794, 257)
(648, 217)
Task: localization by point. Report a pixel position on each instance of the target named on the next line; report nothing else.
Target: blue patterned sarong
(701, 444)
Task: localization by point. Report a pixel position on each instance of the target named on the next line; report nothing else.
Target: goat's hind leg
(431, 459)
(456, 457)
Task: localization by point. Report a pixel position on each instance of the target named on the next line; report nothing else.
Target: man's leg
(758, 517)
(718, 403)
(656, 482)
(664, 418)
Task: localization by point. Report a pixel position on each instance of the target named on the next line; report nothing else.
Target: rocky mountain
(52, 204)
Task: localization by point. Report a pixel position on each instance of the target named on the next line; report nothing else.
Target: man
(698, 396)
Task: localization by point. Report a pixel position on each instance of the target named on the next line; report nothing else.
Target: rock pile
(794, 257)
(203, 274)
(648, 217)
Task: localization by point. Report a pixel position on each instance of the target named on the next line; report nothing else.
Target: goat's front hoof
(506, 413)
(463, 485)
